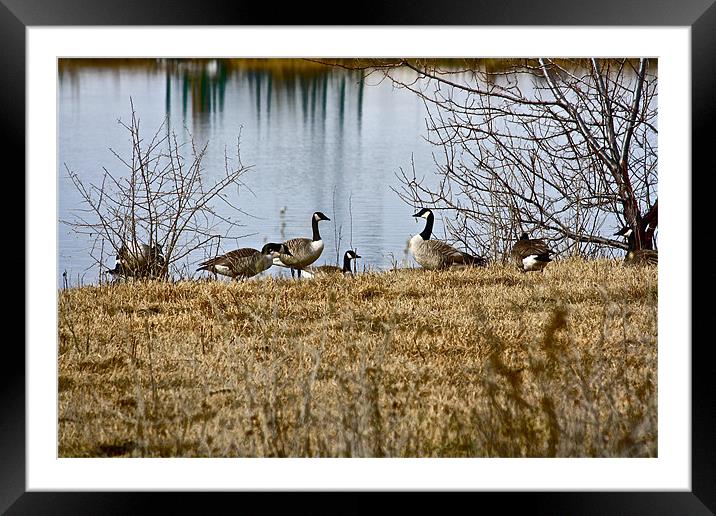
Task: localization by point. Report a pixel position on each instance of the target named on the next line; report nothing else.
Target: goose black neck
(316, 234)
(346, 263)
(425, 234)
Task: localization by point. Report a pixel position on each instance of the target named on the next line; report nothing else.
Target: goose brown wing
(326, 269)
(231, 257)
(297, 244)
(448, 254)
(525, 248)
(301, 252)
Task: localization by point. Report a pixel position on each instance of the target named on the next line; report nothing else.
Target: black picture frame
(699, 15)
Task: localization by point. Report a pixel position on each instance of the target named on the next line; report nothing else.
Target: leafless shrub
(161, 205)
(561, 147)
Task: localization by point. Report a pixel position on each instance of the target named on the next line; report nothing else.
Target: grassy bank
(482, 362)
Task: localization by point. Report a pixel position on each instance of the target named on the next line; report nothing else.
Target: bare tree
(160, 210)
(567, 148)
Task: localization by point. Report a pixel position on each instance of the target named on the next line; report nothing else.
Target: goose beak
(416, 214)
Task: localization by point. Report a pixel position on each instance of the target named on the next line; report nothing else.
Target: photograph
(419, 252)
(357, 257)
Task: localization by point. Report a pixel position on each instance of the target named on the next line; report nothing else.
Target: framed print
(46, 40)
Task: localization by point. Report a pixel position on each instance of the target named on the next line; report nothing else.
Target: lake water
(310, 139)
(316, 138)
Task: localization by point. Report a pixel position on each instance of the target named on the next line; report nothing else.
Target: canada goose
(245, 262)
(119, 270)
(332, 269)
(140, 260)
(436, 254)
(637, 256)
(530, 254)
(304, 251)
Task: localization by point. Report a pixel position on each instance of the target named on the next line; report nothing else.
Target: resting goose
(303, 251)
(119, 269)
(637, 256)
(332, 269)
(436, 254)
(245, 262)
(530, 254)
(140, 260)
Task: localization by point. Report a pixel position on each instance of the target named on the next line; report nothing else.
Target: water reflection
(202, 86)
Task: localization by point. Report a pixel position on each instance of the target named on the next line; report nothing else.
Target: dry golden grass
(411, 363)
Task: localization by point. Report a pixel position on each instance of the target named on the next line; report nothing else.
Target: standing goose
(436, 254)
(332, 269)
(303, 251)
(245, 262)
(530, 254)
(637, 256)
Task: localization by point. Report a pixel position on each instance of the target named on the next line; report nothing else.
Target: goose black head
(524, 236)
(351, 254)
(423, 213)
(320, 216)
(118, 270)
(272, 247)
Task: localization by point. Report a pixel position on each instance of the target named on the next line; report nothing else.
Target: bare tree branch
(160, 210)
